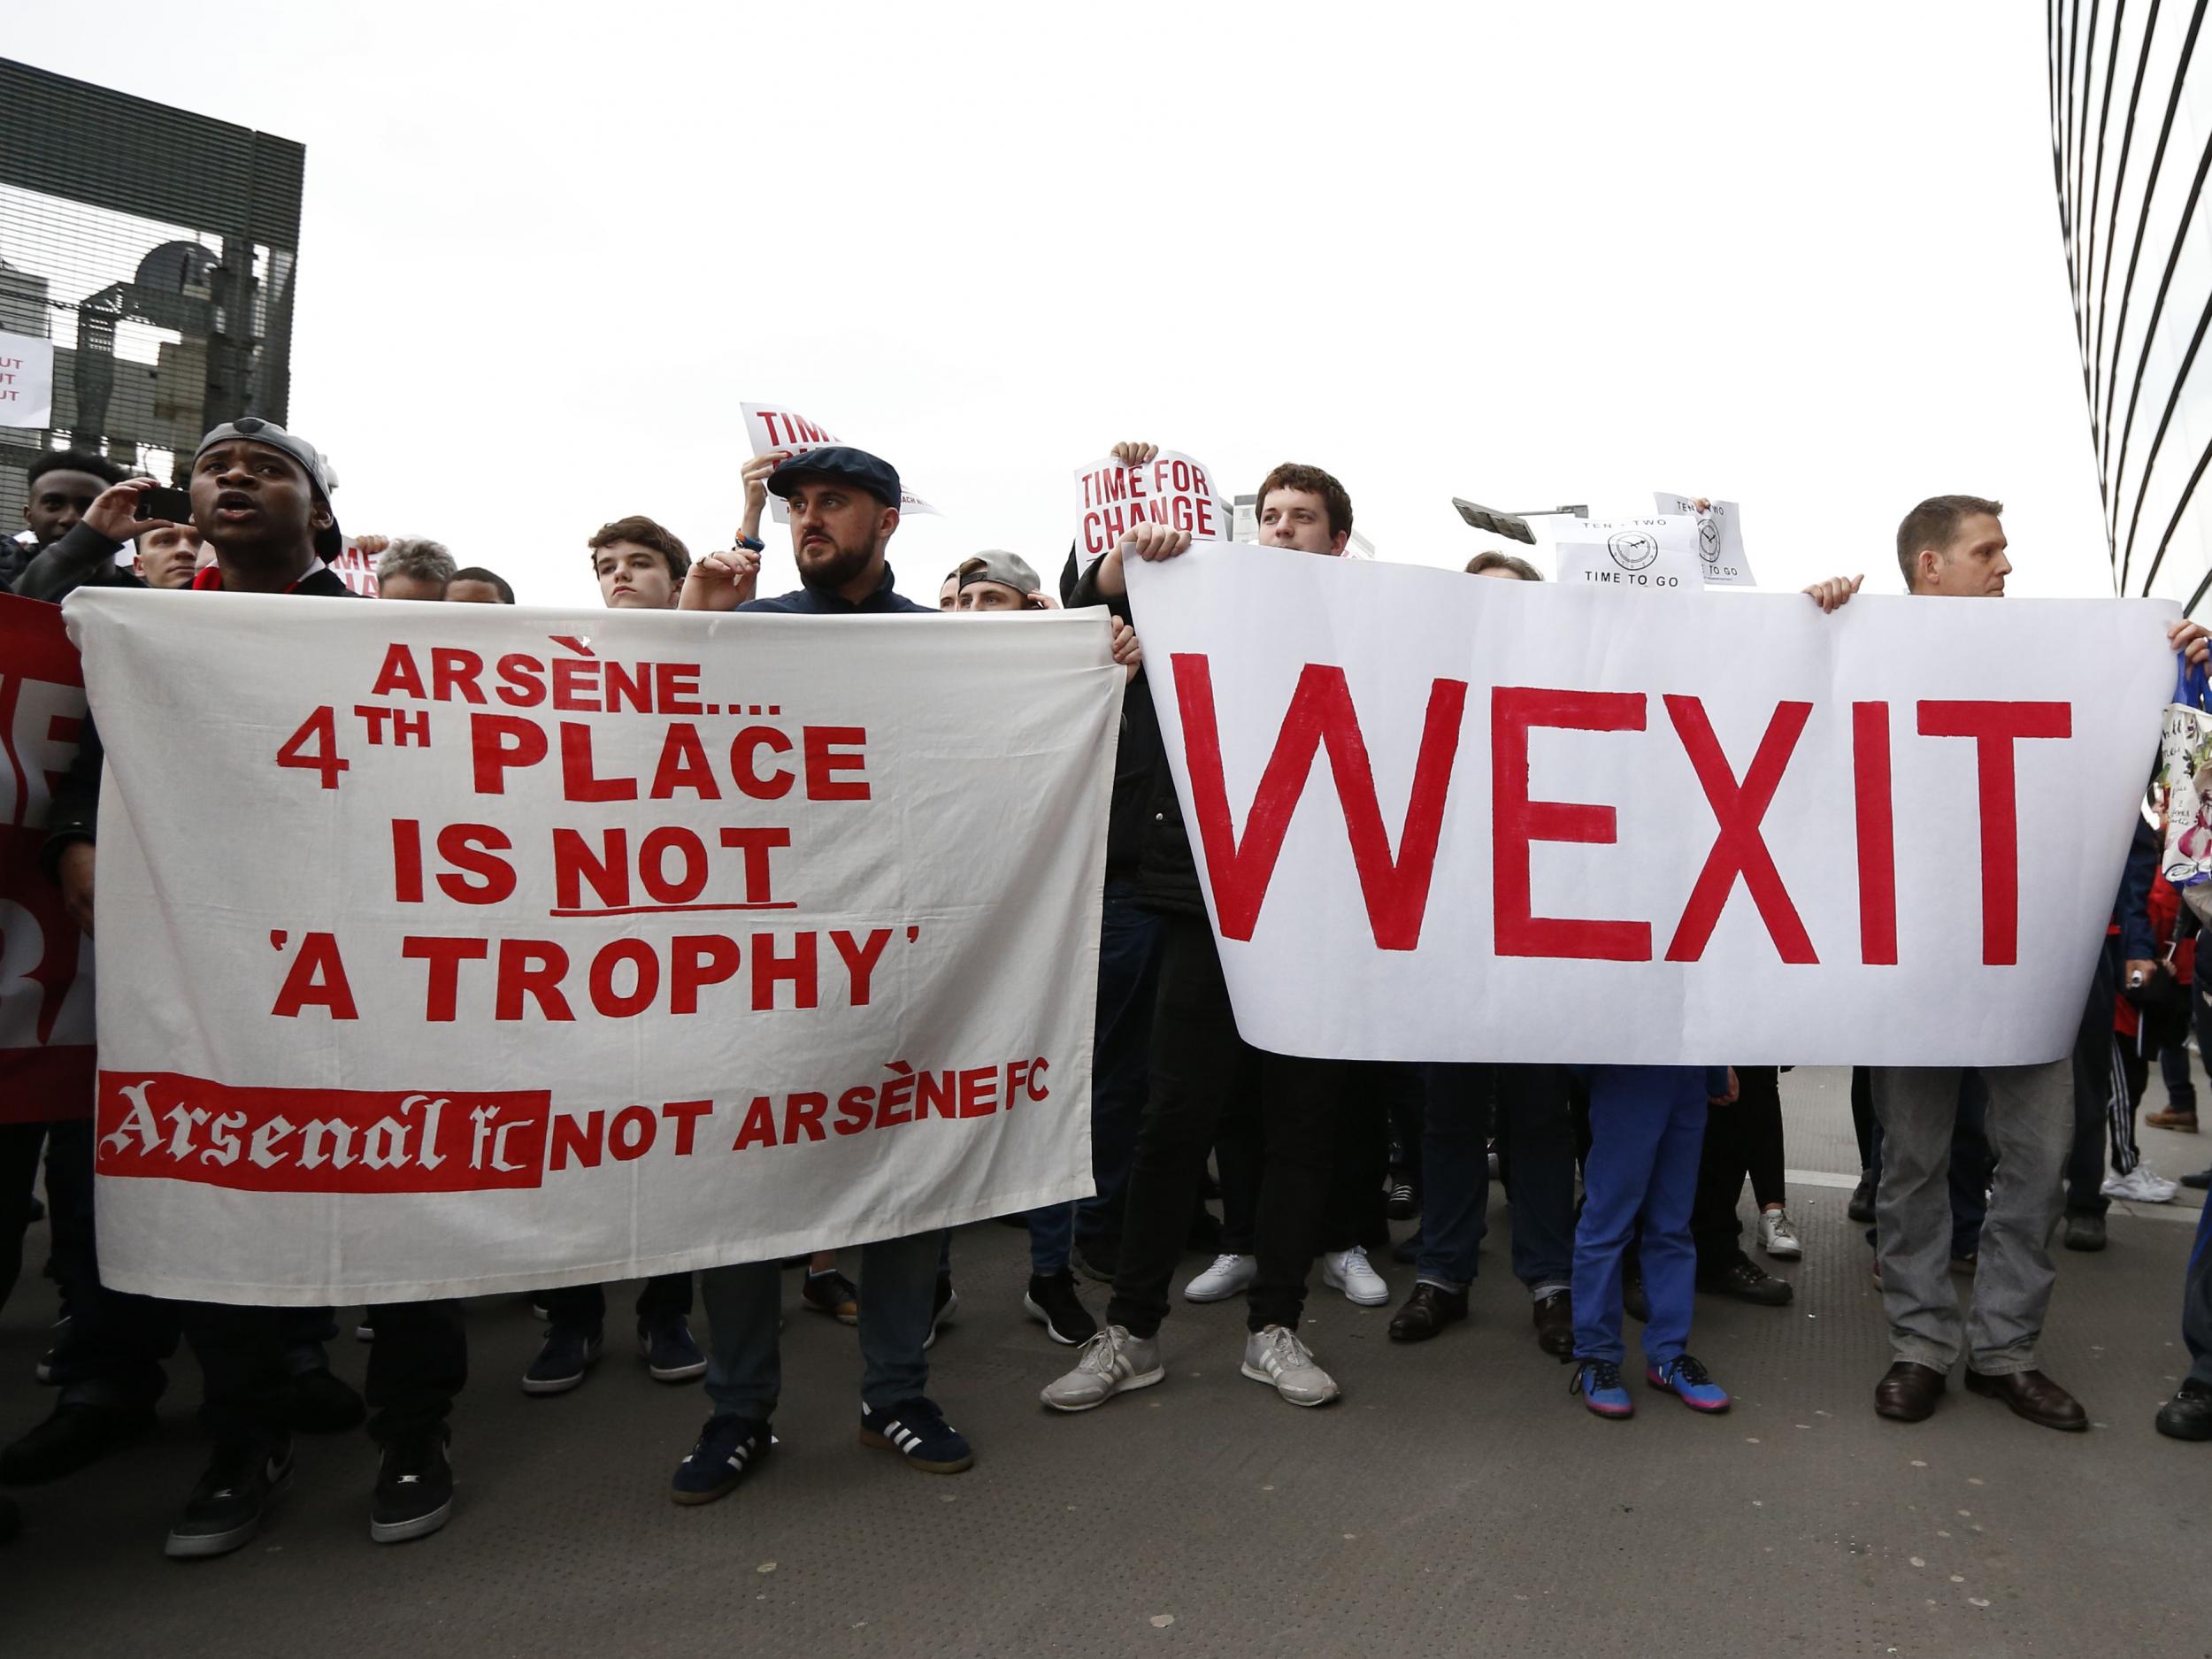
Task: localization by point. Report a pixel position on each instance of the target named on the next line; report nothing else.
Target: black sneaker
(226, 1507)
(414, 1487)
(561, 1363)
(917, 1429)
(1404, 1201)
(947, 1304)
(1633, 1301)
(728, 1448)
(73, 1438)
(830, 1291)
(1746, 1283)
(670, 1354)
(1051, 1300)
(316, 1402)
(1861, 1205)
(2188, 1414)
(1097, 1259)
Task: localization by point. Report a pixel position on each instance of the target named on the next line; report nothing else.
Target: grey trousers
(744, 1304)
(2030, 1130)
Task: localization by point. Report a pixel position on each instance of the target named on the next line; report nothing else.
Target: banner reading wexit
(1443, 819)
(457, 949)
(46, 1055)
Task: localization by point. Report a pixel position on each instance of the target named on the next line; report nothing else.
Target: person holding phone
(90, 552)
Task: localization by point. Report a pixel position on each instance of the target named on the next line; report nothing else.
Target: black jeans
(584, 1307)
(1195, 1056)
(1743, 1138)
(416, 1365)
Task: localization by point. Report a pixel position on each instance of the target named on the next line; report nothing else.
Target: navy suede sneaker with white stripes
(728, 1447)
(918, 1430)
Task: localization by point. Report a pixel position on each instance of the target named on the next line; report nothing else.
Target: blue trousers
(1647, 1131)
(1527, 1105)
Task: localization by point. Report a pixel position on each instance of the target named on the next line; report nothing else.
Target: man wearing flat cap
(844, 507)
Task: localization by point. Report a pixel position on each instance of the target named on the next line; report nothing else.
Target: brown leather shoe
(2032, 1395)
(2186, 1122)
(1555, 1325)
(1909, 1392)
(1428, 1310)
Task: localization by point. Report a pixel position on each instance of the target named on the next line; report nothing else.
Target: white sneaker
(1229, 1276)
(1777, 1237)
(2140, 1186)
(1113, 1362)
(1276, 1357)
(1351, 1272)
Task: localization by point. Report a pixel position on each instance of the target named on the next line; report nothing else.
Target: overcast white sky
(1806, 259)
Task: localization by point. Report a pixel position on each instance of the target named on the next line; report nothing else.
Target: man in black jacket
(1196, 1057)
(261, 499)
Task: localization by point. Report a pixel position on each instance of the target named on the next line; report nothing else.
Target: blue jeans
(1128, 972)
(744, 1303)
(1647, 1131)
(1528, 1104)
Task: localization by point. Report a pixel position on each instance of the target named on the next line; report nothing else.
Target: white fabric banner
(27, 381)
(1444, 820)
(456, 948)
(772, 427)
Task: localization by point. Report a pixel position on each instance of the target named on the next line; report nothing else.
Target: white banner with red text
(1444, 820)
(456, 948)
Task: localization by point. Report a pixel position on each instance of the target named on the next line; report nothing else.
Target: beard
(827, 573)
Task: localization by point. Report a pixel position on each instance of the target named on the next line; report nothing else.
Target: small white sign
(27, 381)
(772, 427)
(1634, 555)
(1719, 538)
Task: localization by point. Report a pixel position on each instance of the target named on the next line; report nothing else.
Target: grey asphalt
(1457, 1501)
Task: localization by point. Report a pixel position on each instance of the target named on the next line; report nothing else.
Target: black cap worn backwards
(252, 429)
(873, 474)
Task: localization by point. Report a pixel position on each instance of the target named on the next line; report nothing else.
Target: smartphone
(175, 505)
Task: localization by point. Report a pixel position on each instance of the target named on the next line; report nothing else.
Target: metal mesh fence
(158, 249)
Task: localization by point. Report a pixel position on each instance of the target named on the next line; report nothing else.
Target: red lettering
(633, 686)
(745, 747)
(1995, 727)
(686, 1115)
(645, 965)
(1738, 847)
(979, 1091)
(697, 960)
(678, 685)
(445, 957)
(399, 674)
(860, 957)
(652, 860)
(317, 979)
(475, 849)
(500, 744)
(1877, 833)
(795, 969)
(756, 845)
(1320, 715)
(451, 671)
(759, 1127)
(582, 1139)
(521, 681)
(578, 781)
(631, 1134)
(576, 685)
(407, 860)
(803, 1115)
(574, 864)
(531, 968)
(683, 765)
(1517, 821)
(823, 762)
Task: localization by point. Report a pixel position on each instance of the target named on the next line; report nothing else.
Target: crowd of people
(1625, 1182)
